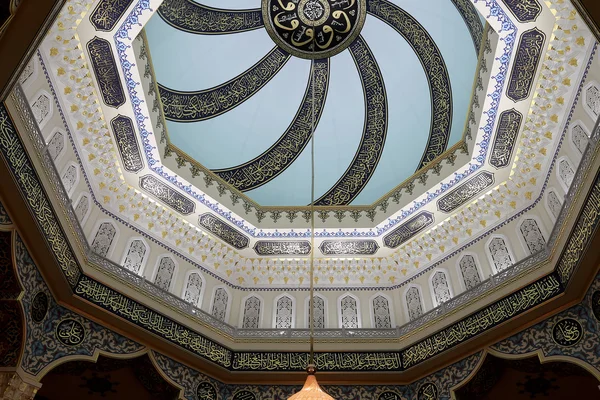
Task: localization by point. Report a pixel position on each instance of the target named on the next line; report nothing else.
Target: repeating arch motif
(164, 273)
(469, 271)
(284, 312)
(348, 309)
(252, 308)
(440, 287)
(566, 173)
(70, 177)
(82, 207)
(56, 144)
(592, 100)
(532, 235)
(220, 303)
(193, 289)
(135, 256)
(499, 254)
(42, 108)
(554, 203)
(382, 318)
(104, 238)
(318, 312)
(579, 137)
(414, 303)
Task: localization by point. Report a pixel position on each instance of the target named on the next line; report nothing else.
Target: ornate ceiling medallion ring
(314, 29)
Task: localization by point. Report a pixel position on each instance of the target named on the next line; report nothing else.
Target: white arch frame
(585, 129)
(48, 117)
(77, 177)
(430, 280)
(294, 314)
(489, 254)
(175, 272)
(202, 289)
(325, 310)
(405, 305)
(460, 256)
(144, 259)
(540, 225)
(587, 109)
(229, 301)
(89, 211)
(559, 194)
(111, 249)
(64, 139)
(557, 172)
(36, 68)
(391, 310)
(358, 310)
(243, 310)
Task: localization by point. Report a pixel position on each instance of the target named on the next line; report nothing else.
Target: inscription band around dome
(314, 29)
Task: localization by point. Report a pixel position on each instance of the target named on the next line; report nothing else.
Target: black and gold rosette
(314, 29)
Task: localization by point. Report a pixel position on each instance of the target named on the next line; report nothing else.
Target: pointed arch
(591, 100)
(56, 144)
(193, 288)
(135, 255)
(82, 207)
(220, 303)
(553, 202)
(565, 172)
(579, 136)
(349, 311)
(29, 73)
(284, 312)
(105, 236)
(440, 286)
(382, 316)
(499, 253)
(70, 177)
(414, 304)
(320, 312)
(252, 314)
(165, 272)
(531, 234)
(469, 270)
(42, 107)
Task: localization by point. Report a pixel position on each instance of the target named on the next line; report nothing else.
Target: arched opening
(107, 378)
(527, 379)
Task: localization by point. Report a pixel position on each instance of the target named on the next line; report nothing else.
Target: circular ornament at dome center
(314, 29)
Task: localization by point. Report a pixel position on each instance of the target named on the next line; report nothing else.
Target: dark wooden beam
(22, 37)
(590, 11)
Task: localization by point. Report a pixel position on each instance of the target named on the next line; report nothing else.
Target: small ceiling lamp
(311, 389)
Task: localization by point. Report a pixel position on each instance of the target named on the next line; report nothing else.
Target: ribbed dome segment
(311, 391)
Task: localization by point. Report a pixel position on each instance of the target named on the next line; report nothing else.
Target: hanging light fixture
(311, 389)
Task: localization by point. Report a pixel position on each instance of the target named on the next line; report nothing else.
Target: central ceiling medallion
(314, 29)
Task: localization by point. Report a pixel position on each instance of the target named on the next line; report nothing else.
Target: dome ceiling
(389, 85)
